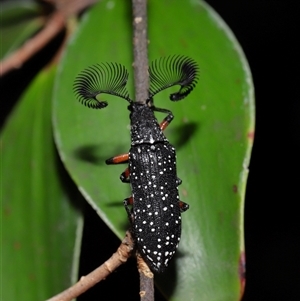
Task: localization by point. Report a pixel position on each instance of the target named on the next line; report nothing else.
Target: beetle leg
(178, 181)
(118, 159)
(126, 202)
(124, 177)
(183, 206)
(167, 120)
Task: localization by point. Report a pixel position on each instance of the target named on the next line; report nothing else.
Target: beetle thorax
(144, 126)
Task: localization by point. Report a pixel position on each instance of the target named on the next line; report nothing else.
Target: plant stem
(141, 84)
(88, 281)
(140, 50)
(146, 280)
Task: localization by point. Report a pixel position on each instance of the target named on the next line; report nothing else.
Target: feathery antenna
(170, 71)
(107, 78)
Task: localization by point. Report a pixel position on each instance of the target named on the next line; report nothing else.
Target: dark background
(268, 32)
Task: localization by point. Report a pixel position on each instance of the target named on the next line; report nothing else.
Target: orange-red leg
(124, 177)
(167, 120)
(183, 206)
(118, 159)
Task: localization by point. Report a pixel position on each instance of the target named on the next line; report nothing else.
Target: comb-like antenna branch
(170, 71)
(107, 78)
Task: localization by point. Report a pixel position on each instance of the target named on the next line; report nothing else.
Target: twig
(140, 52)
(141, 83)
(146, 280)
(71, 7)
(86, 282)
(53, 26)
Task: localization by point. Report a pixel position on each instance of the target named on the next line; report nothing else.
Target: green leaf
(19, 20)
(39, 220)
(212, 133)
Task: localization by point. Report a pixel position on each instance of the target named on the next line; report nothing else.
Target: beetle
(154, 208)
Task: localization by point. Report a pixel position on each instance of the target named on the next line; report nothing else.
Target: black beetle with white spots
(154, 209)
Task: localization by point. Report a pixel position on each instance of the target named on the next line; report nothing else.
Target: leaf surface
(39, 219)
(212, 133)
(19, 21)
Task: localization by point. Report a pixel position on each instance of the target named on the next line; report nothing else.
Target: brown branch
(146, 280)
(71, 7)
(140, 50)
(141, 84)
(86, 282)
(54, 25)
